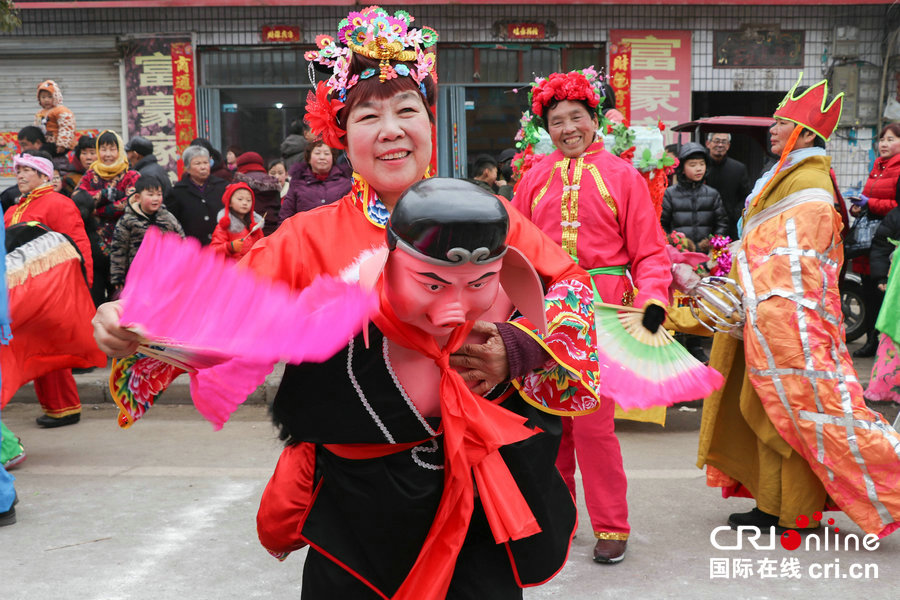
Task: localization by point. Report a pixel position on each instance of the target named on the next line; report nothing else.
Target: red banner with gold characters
(620, 77)
(660, 81)
(160, 89)
(184, 93)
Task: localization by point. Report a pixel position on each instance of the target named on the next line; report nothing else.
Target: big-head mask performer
(597, 207)
(386, 128)
(442, 267)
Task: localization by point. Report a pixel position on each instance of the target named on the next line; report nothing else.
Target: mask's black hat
(449, 222)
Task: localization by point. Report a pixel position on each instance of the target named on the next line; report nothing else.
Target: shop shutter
(89, 84)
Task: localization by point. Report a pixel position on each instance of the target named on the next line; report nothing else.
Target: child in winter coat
(239, 226)
(691, 207)
(145, 210)
(55, 120)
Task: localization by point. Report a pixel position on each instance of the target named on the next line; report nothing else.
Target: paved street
(166, 510)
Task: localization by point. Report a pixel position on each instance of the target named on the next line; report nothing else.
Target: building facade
(250, 81)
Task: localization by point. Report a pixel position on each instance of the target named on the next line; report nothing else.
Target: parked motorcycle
(853, 306)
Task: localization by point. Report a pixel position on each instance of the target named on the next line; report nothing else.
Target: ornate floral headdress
(373, 33)
(586, 84)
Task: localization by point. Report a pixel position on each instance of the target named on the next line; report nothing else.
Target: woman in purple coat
(317, 182)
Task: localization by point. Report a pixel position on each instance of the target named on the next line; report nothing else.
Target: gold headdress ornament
(382, 50)
(376, 34)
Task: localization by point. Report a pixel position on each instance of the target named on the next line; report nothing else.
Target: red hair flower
(562, 86)
(321, 114)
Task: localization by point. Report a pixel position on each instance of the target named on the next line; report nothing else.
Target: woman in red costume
(378, 105)
(55, 388)
(597, 207)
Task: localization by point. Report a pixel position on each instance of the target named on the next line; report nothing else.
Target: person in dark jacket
(84, 155)
(196, 199)
(143, 211)
(217, 165)
(318, 181)
(140, 155)
(294, 145)
(727, 176)
(694, 209)
(252, 170)
(484, 173)
(882, 248)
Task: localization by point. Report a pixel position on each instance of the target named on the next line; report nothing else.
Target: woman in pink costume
(597, 207)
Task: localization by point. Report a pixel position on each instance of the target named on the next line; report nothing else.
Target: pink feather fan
(202, 312)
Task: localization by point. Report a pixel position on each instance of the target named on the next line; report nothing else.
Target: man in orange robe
(792, 429)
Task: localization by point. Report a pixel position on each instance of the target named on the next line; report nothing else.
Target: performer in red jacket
(56, 391)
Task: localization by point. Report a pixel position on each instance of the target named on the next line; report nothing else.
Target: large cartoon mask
(446, 259)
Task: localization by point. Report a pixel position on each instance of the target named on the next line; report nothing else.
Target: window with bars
(242, 67)
(513, 63)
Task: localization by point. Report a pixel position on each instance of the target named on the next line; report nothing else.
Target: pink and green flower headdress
(374, 33)
(377, 35)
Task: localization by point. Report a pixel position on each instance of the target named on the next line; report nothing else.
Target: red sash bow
(474, 430)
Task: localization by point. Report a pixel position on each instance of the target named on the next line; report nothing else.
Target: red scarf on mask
(474, 429)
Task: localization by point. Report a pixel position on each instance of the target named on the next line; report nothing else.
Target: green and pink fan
(639, 369)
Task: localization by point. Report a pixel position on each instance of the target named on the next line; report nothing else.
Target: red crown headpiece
(809, 110)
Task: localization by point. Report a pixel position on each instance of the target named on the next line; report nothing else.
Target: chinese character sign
(160, 88)
(282, 34)
(185, 103)
(525, 31)
(660, 82)
(620, 78)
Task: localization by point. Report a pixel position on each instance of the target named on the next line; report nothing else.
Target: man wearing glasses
(729, 177)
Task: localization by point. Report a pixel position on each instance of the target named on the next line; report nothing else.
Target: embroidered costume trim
(564, 313)
(35, 194)
(569, 200)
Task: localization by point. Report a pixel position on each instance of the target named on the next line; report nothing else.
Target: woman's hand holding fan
(642, 369)
(198, 311)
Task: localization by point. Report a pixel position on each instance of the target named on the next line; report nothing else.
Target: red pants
(57, 393)
(594, 439)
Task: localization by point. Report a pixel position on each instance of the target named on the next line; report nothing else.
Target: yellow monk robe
(790, 425)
